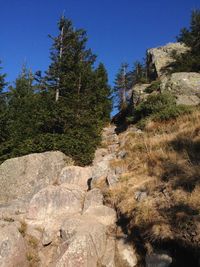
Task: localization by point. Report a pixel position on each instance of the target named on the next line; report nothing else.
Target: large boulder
(100, 170)
(76, 175)
(138, 93)
(103, 214)
(93, 198)
(185, 86)
(86, 240)
(12, 247)
(160, 57)
(22, 177)
(54, 201)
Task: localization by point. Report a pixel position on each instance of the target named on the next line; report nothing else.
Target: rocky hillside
(157, 196)
(137, 204)
(185, 86)
(52, 213)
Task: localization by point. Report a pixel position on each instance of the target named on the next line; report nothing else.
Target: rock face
(76, 175)
(93, 198)
(103, 214)
(24, 176)
(53, 201)
(87, 242)
(185, 86)
(12, 247)
(159, 57)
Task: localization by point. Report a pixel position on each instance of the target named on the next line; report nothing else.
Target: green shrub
(155, 86)
(158, 107)
(172, 112)
(79, 145)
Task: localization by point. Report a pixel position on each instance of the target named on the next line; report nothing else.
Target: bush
(172, 112)
(159, 107)
(155, 86)
(78, 145)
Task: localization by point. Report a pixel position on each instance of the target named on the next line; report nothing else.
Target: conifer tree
(64, 110)
(21, 107)
(122, 84)
(103, 101)
(189, 61)
(80, 93)
(3, 120)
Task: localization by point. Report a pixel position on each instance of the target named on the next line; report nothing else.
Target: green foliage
(64, 110)
(189, 61)
(122, 85)
(172, 112)
(3, 108)
(138, 73)
(158, 107)
(155, 86)
(125, 80)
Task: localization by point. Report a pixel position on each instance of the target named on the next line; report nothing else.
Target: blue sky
(118, 30)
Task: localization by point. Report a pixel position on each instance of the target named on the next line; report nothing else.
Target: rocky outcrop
(63, 219)
(93, 198)
(184, 85)
(160, 57)
(22, 177)
(12, 247)
(54, 201)
(76, 175)
(87, 241)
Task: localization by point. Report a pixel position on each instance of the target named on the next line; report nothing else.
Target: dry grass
(23, 228)
(163, 161)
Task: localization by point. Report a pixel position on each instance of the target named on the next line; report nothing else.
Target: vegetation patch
(164, 163)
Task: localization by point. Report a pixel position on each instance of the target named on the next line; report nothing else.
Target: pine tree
(122, 85)
(64, 110)
(3, 108)
(103, 101)
(189, 61)
(79, 92)
(2, 94)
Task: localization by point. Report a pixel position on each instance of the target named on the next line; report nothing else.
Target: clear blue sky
(117, 30)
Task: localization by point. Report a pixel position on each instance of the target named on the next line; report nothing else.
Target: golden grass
(164, 162)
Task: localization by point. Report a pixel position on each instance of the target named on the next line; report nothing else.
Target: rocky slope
(157, 195)
(53, 214)
(118, 212)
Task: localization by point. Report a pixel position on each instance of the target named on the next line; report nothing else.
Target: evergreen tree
(189, 61)
(103, 100)
(122, 85)
(3, 120)
(138, 73)
(2, 86)
(64, 110)
(80, 93)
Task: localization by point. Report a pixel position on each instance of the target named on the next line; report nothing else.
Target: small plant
(155, 86)
(32, 241)
(22, 229)
(32, 257)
